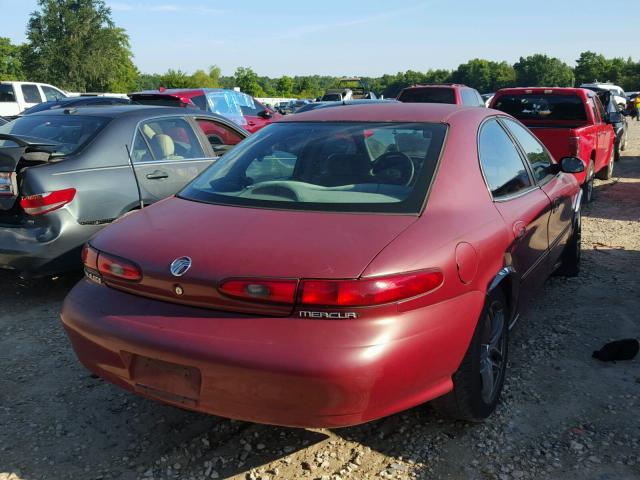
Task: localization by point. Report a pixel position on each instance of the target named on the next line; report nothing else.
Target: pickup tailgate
(557, 140)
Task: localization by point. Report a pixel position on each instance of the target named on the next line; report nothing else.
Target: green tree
(75, 44)
(247, 80)
(10, 60)
(176, 79)
(284, 86)
(201, 79)
(541, 70)
(590, 67)
(214, 74)
(485, 75)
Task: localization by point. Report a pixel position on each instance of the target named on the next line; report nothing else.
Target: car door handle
(555, 204)
(157, 175)
(519, 229)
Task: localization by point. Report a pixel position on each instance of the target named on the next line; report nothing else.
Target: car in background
(617, 92)
(618, 120)
(570, 122)
(75, 102)
(441, 93)
(239, 107)
(317, 105)
(15, 97)
(338, 266)
(65, 174)
(487, 98)
(348, 88)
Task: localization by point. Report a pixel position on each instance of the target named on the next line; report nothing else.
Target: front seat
(164, 148)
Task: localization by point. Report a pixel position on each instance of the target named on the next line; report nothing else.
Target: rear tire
(572, 253)
(607, 172)
(479, 380)
(587, 186)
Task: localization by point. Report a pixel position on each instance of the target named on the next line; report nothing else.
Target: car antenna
(135, 175)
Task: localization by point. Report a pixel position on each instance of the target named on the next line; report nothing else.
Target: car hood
(228, 241)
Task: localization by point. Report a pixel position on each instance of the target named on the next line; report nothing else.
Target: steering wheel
(394, 168)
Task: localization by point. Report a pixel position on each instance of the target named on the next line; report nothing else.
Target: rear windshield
(68, 133)
(157, 100)
(542, 107)
(428, 95)
(326, 166)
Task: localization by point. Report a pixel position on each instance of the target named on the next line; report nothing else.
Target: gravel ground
(563, 414)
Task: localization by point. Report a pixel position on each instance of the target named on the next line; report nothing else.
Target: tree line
(75, 45)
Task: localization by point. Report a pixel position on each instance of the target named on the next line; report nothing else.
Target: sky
(367, 38)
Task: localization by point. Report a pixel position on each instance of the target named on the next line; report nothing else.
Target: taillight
(369, 291)
(90, 257)
(118, 268)
(574, 146)
(260, 289)
(47, 202)
(6, 184)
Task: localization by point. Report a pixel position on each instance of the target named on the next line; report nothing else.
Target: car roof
(177, 91)
(548, 90)
(389, 112)
(436, 85)
(126, 110)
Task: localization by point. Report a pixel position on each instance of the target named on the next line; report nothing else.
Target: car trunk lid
(225, 242)
(15, 154)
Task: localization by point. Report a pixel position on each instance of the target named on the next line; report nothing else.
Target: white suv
(617, 92)
(18, 96)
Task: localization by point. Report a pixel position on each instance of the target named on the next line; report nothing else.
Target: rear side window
(31, 94)
(538, 158)
(6, 93)
(469, 97)
(600, 108)
(428, 95)
(170, 139)
(501, 162)
(542, 107)
(200, 101)
(220, 136)
(51, 93)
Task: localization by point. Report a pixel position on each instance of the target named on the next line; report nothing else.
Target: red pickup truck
(571, 122)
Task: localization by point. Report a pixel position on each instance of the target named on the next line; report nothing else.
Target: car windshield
(69, 133)
(325, 166)
(331, 97)
(542, 107)
(428, 95)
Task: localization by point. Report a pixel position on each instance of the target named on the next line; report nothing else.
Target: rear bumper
(284, 371)
(44, 248)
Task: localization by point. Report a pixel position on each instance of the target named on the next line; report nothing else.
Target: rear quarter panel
(100, 173)
(459, 209)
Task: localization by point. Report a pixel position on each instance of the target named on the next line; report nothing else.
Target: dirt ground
(563, 414)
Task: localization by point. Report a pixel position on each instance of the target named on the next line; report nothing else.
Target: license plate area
(166, 381)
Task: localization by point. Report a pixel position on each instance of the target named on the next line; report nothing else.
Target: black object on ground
(618, 350)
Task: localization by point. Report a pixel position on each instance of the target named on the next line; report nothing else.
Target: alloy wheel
(492, 351)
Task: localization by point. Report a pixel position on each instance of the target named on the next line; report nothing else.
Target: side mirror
(614, 117)
(571, 165)
(266, 114)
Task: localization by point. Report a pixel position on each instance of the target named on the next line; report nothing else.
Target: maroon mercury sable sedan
(336, 267)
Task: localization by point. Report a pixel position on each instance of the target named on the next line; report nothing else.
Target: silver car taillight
(7, 184)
